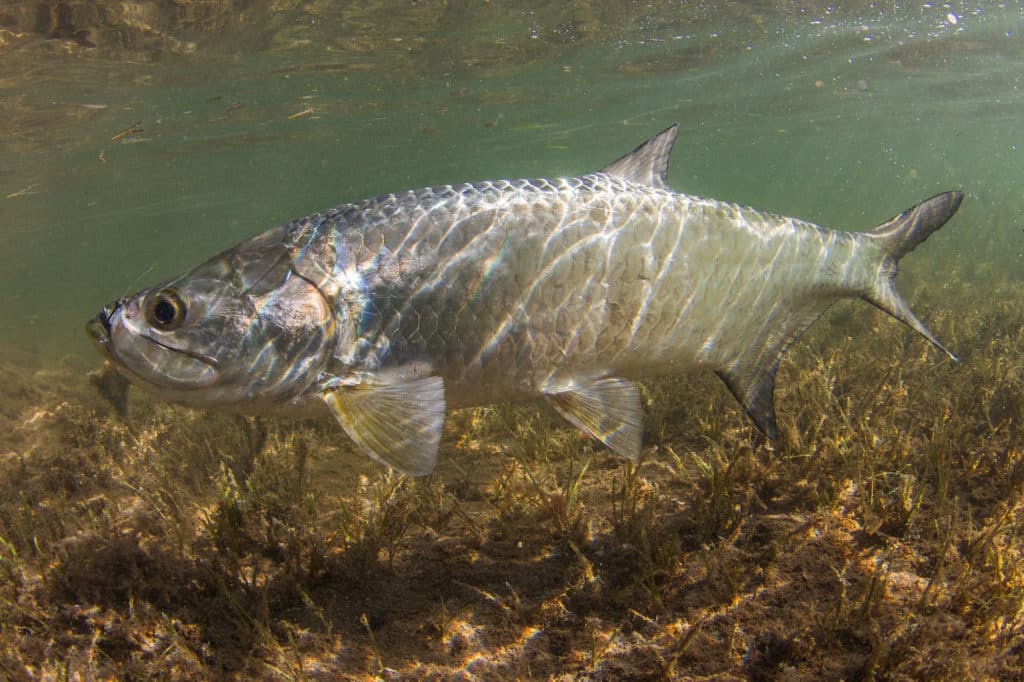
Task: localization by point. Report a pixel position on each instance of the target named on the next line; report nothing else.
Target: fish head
(242, 333)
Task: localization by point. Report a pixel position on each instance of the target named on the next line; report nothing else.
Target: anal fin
(756, 392)
(397, 424)
(751, 376)
(609, 410)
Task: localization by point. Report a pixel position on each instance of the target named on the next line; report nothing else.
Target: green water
(840, 117)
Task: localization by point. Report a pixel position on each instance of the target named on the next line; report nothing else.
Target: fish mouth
(199, 357)
(98, 329)
(199, 370)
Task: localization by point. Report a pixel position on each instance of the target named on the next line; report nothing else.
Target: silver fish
(388, 311)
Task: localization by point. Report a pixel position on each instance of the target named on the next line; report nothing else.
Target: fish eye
(165, 310)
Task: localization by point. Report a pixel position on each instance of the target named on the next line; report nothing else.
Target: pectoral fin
(610, 410)
(397, 424)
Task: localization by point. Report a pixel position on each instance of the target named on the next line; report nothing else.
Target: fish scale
(585, 298)
(388, 311)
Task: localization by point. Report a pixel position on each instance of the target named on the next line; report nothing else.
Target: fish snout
(99, 328)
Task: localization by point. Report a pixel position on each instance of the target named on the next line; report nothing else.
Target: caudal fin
(897, 237)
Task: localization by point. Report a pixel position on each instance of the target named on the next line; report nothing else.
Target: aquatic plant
(881, 536)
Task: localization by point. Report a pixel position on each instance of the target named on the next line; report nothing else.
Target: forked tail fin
(751, 376)
(897, 237)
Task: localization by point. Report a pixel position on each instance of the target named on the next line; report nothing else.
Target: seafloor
(881, 537)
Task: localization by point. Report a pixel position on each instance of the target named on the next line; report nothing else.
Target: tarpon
(388, 311)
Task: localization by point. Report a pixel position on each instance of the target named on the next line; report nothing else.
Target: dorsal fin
(648, 163)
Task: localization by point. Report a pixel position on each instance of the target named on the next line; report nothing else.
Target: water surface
(840, 117)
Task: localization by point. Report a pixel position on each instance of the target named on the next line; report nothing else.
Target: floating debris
(28, 191)
(131, 130)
